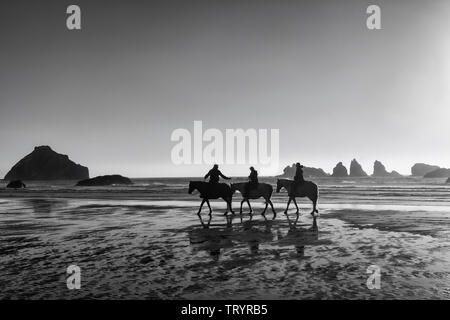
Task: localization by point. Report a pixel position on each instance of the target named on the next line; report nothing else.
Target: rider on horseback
(214, 175)
(298, 178)
(252, 183)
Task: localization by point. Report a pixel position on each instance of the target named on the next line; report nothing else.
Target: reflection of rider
(214, 175)
(298, 178)
(252, 183)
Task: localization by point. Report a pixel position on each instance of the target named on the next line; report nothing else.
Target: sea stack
(379, 170)
(45, 164)
(340, 171)
(438, 173)
(421, 169)
(356, 170)
(289, 172)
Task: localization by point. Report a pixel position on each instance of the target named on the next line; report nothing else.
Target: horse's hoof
(285, 212)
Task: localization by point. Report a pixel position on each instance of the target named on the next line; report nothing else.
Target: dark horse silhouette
(212, 191)
(262, 190)
(306, 189)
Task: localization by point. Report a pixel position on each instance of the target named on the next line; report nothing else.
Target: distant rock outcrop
(438, 173)
(45, 164)
(421, 169)
(396, 174)
(104, 181)
(340, 171)
(448, 180)
(308, 172)
(16, 184)
(356, 170)
(379, 170)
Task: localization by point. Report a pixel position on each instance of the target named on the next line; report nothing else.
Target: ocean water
(146, 242)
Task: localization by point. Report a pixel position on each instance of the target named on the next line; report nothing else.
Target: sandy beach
(146, 244)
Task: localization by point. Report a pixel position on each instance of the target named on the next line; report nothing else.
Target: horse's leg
(226, 201)
(201, 206)
(242, 202)
(295, 202)
(230, 201)
(314, 209)
(287, 208)
(209, 206)
(250, 207)
(265, 208)
(273, 209)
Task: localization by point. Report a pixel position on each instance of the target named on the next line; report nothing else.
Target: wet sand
(148, 249)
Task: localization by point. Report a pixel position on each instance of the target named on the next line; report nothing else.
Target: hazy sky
(111, 94)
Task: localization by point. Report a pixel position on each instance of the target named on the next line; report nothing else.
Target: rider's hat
(298, 165)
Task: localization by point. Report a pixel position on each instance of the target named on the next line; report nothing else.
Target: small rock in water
(16, 184)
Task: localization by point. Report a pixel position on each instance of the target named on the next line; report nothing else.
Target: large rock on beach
(45, 164)
(105, 181)
(16, 184)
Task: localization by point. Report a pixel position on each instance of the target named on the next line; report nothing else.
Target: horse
(264, 190)
(212, 191)
(306, 189)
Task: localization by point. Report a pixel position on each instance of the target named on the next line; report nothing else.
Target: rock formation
(396, 174)
(45, 164)
(104, 181)
(379, 170)
(16, 184)
(421, 169)
(356, 170)
(438, 173)
(340, 171)
(448, 180)
(289, 172)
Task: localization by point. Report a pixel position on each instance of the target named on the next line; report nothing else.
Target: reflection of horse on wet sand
(252, 233)
(263, 190)
(211, 240)
(299, 237)
(212, 191)
(214, 238)
(306, 189)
